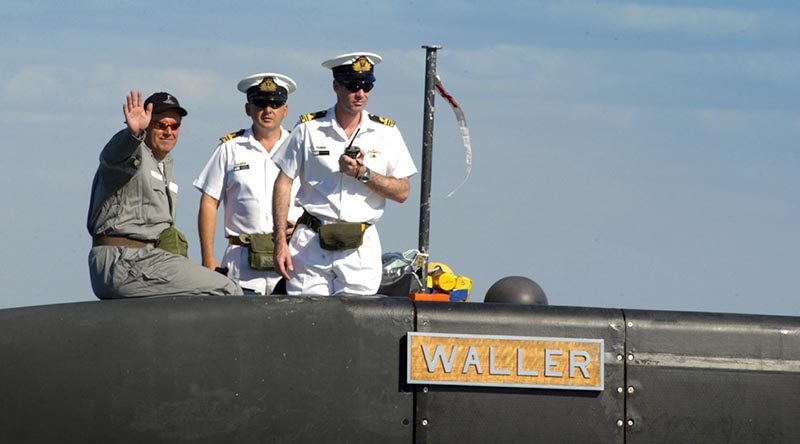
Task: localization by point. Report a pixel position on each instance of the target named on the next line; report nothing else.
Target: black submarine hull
(330, 369)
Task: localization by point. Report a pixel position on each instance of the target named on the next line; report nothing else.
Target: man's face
(162, 133)
(266, 114)
(351, 101)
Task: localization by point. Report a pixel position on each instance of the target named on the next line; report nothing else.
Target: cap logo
(268, 85)
(169, 100)
(362, 65)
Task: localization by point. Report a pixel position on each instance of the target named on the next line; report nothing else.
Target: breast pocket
(322, 172)
(243, 183)
(245, 191)
(375, 160)
(155, 205)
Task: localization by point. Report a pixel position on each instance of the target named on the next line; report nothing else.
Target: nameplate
(505, 361)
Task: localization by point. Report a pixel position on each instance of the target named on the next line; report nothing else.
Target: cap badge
(169, 100)
(362, 65)
(268, 85)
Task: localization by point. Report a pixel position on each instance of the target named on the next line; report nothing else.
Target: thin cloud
(656, 18)
(618, 77)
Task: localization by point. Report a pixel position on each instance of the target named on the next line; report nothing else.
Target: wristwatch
(364, 178)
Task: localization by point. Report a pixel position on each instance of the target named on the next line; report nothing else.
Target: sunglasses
(163, 126)
(263, 103)
(355, 86)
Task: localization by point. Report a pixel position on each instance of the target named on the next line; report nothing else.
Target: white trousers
(238, 263)
(323, 272)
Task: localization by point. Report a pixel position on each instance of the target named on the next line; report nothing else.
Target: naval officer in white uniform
(241, 174)
(349, 162)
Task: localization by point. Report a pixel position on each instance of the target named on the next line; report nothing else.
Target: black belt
(236, 240)
(312, 222)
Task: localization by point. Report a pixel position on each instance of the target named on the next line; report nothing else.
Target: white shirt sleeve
(289, 157)
(212, 179)
(400, 164)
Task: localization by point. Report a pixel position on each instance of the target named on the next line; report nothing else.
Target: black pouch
(342, 236)
(173, 241)
(260, 251)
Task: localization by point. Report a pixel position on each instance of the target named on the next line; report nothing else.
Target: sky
(637, 155)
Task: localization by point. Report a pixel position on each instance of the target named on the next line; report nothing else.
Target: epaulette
(230, 136)
(311, 116)
(384, 120)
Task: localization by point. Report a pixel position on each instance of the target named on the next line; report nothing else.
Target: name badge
(505, 361)
(241, 166)
(172, 185)
(321, 151)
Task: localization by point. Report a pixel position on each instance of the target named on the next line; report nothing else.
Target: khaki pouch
(342, 236)
(173, 241)
(260, 251)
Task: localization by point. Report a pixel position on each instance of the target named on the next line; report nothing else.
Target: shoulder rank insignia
(230, 136)
(311, 116)
(386, 121)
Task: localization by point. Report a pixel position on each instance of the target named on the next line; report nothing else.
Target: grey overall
(129, 200)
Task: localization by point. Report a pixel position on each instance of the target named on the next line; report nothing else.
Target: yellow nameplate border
(505, 361)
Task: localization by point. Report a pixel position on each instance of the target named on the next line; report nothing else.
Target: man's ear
(247, 109)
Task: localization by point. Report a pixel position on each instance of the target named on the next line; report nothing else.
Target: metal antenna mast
(427, 158)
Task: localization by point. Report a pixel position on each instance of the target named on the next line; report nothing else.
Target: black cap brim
(165, 108)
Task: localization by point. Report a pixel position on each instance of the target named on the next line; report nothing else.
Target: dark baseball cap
(164, 101)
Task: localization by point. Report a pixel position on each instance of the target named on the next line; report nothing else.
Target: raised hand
(136, 116)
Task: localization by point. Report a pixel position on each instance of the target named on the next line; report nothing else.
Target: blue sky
(626, 154)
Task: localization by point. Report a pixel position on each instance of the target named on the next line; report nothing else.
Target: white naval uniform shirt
(241, 174)
(312, 153)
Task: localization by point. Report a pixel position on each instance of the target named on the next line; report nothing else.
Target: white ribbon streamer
(462, 126)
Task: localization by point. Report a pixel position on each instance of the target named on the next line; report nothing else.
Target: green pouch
(342, 236)
(172, 240)
(260, 251)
